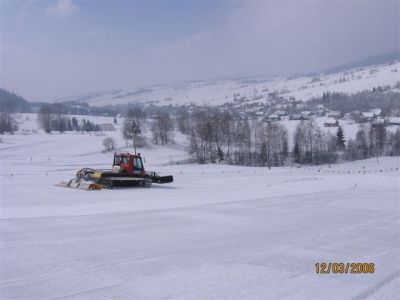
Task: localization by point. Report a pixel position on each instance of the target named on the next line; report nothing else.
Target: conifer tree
(340, 139)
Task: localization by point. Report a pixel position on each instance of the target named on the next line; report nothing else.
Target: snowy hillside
(257, 89)
(217, 231)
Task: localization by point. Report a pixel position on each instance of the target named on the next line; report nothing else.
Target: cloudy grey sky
(52, 49)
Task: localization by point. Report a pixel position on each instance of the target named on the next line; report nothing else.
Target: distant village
(279, 108)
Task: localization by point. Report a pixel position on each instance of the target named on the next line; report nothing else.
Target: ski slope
(217, 232)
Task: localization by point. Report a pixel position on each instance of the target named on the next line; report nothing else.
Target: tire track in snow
(23, 146)
(106, 210)
(84, 269)
(86, 291)
(369, 293)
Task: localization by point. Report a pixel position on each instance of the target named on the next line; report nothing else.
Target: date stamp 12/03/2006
(344, 268)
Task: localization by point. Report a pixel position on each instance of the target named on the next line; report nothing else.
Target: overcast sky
(54, 49)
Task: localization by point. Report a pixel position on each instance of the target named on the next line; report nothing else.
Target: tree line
(53, 117)
(7, 122)
(136, 122)
(373, 141)
(379, 97)
(217, 135)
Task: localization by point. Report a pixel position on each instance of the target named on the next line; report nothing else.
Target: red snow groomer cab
(128, 163)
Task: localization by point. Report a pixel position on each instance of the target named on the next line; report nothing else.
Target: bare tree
(272, 143)
(202, 137)
(223, 125)
(183, 121)
(133, 127)
(373, 141)
(226, 129)
(312, 145)
(362, 142)
(109, 144)
(59, 119)
(162, 129)
(377, 136)
(194, 151)
(242, 142)
(351, 150)
(394, 143)
(7, 122)
(45, 117)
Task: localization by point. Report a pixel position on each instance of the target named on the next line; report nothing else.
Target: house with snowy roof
(393, 121)
(274, 117)
(331, 122)
(368, 116)
(333, 114)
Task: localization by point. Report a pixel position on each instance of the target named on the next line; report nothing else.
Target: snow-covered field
(256, 90)
(218, 231)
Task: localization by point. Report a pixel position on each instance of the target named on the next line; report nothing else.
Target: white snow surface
(216, 232)
(215, 92)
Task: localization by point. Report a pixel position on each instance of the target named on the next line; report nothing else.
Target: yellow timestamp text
(344, 268)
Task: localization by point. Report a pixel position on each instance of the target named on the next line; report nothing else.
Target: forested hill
(369, 61)
(13, 103)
